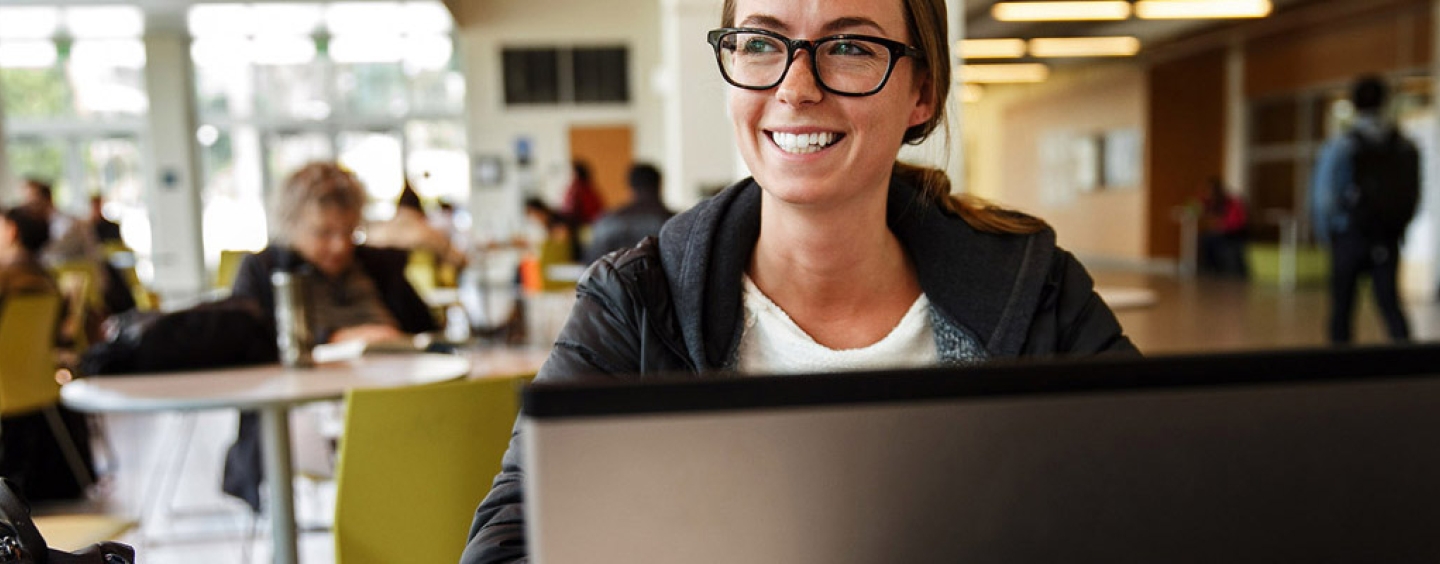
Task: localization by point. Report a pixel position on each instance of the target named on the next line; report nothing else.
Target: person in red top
(582, 202)
(1223, 224)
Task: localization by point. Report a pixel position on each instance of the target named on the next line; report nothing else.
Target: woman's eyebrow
(763, 21)
(848, 23)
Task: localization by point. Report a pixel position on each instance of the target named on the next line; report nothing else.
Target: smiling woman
(834, 256)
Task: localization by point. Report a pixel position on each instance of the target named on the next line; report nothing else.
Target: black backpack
(1384, 188)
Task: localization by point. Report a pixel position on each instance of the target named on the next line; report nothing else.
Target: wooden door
(608, 150)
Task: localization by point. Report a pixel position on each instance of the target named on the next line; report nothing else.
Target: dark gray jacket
(675, 305)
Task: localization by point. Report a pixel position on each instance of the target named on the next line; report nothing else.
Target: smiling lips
(804, 143)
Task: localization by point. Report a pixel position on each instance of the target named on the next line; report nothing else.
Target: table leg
(275, 426)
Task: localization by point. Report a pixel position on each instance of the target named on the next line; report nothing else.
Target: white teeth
(803, 143)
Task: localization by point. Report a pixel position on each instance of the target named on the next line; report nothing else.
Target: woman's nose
(799, 86)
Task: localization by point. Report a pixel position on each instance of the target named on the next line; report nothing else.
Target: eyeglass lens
(852, 66)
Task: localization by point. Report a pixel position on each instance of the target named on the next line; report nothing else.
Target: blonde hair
(927, 23)
(324, 184)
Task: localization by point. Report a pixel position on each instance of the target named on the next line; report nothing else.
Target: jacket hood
(987, 284)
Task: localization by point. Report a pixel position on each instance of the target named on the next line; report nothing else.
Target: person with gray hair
(355, 293)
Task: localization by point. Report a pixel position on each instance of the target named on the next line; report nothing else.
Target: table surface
(259, 385)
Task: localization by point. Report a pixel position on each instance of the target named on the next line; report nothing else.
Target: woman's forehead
(823, 17)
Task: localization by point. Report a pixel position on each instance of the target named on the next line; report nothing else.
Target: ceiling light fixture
(1006, 73)
(1084, 47)
(1060, 11)
(1201, 9)
(991, 48)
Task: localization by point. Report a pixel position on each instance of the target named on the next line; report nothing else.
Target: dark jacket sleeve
(598, 342)
(1072, 319)
(252, 280)
(387, 268)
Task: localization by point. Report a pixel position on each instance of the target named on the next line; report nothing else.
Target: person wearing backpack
(1364, 193)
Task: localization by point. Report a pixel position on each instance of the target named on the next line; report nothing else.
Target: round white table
(271, 389)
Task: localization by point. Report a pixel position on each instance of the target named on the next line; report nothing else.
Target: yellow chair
(27, 369)
(421, 271)
(414, 462)
(228, 268)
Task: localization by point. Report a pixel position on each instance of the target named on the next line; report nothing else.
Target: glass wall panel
(286, 152)
(35, 93)
(42, 158)
(372, 89)
(436, 163)
(376, 159)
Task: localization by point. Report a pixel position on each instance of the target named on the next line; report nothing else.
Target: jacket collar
(988, 285)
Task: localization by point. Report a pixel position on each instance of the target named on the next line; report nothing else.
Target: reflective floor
(190, 521)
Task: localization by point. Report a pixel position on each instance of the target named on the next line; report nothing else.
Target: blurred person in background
(29, 456)
(70, 238)
(73, 243)
(639, 219)
(22, 234)
(1223, 223)
(582, 203)
(1364, 193)
(105, 230)
(409, 229)
(354, 293)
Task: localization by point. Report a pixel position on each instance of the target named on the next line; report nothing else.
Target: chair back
(228, 268)
(421, 271)
(27, 362)
(414, 463)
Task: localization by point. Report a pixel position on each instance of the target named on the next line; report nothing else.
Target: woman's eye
(850, 49)
(758, 45)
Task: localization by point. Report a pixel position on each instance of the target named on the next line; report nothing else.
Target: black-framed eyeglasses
(848, 65)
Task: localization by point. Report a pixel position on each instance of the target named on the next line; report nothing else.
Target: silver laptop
(1265, 457)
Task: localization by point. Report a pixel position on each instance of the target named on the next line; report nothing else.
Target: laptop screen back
(1290, 456)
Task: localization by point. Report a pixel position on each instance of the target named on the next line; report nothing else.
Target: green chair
(414, 462)
(27, 369)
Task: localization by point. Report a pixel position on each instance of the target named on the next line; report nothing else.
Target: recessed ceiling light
(1060, 11)
(991, 48)
(1003, 73)
(1201, 9)
(1084, 47)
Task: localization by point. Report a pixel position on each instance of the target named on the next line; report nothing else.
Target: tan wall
(1003, 137)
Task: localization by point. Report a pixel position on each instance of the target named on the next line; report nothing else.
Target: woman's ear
(925, 105)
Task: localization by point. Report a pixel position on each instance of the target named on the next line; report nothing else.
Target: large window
(72, 85)
(373, 85)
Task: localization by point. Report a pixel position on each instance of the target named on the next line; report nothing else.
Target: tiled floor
(202, 525)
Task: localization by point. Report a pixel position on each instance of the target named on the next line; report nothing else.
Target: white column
(172, 172)
(1431, 174)
(699, 143)
(1236, 118)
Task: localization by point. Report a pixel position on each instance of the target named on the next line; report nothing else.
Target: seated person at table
(354, 292)
(410, 229)
(29, 458)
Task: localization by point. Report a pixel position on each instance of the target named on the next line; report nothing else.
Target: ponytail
(985, 217)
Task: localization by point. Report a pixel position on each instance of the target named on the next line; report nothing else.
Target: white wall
(1003, 137)
(492, 128)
